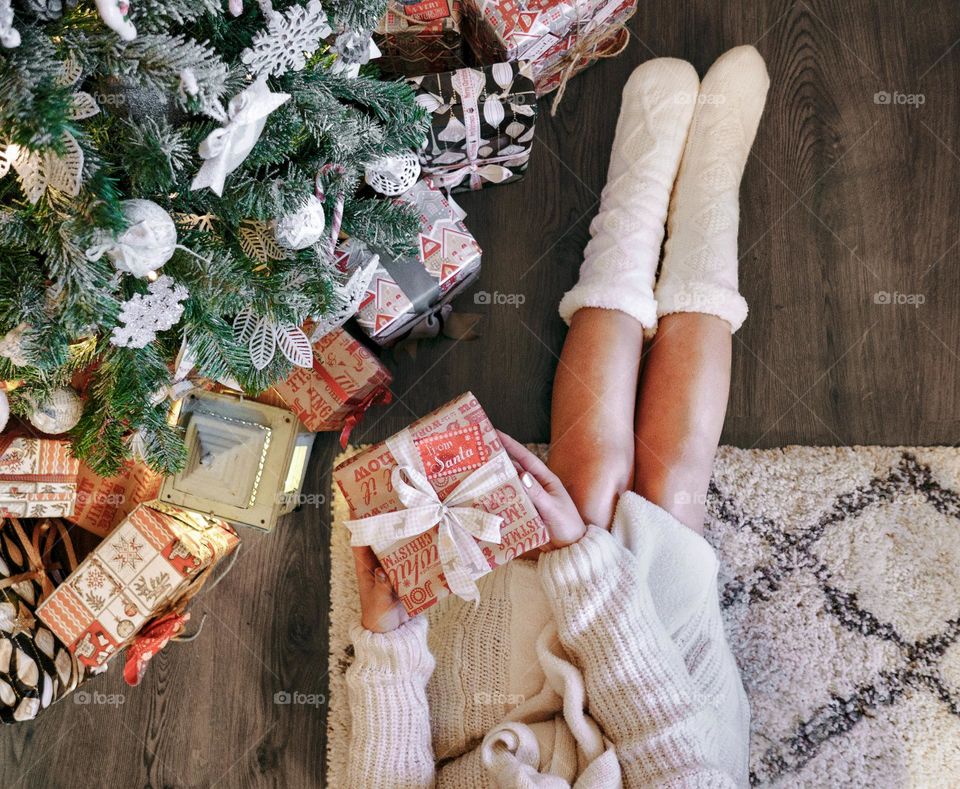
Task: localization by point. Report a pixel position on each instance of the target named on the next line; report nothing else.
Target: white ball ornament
(303, 228)
(59, 413)
(393, 175)
(145, 245)
(4, 410)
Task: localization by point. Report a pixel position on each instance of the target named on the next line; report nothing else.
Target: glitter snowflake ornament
(144, 315)
(289, 41)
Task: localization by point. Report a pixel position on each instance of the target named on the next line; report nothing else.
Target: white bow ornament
(225, 148)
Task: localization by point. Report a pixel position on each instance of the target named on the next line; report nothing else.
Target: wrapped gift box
(103, 502)
(344, 381)
(483, 125)
(460, 461)
(541, 31)
(143, 569)
(38, 477)
(246, 461)
(420, 37)
(408, 291)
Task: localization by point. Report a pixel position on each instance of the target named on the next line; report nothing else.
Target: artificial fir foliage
(89, 120)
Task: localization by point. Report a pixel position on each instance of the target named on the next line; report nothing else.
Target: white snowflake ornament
(302, 228)
(144, 315)
(393, 175)
(148, 242)
(57, 414)
(289, 41)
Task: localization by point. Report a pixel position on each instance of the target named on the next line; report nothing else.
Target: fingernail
(527, 480)
(380, 575)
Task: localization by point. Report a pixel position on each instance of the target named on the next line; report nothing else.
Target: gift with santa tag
(145, 571)
(441, 504)
(410, 293)
(420, 36)
(482, 125)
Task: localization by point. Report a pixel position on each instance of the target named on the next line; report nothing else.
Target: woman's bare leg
(594, 396)
(680, 412)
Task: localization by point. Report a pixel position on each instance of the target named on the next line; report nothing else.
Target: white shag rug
(840, 585)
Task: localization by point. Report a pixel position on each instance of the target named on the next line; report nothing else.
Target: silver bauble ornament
(147, 243)
(4, 410)
(302, 228)
(59, 413)
(393, 175)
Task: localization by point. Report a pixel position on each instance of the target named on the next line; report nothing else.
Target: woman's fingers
(528, 461)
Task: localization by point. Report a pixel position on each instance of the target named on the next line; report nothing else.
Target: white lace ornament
(304, 227)
(348, 296)
(289, 40)
(116, 15)
(393, 175)
(57, 414)
(225, 149)
(262, 337)
(4, 409)
(143, 316)
(39, 170)
(11, 345)
(145, 245)
(354, 48)
(9, 37)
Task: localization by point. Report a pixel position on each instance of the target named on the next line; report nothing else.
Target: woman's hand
(381, 609)
(551, 499)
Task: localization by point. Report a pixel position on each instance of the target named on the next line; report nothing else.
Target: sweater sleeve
(637, 685)
(390, 741)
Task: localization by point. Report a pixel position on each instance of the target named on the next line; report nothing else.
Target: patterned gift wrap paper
(538, 30)
(343, 378)
(444, 438)
(404, 288)
(38, 477)
(482, 129)
(103, 502)
(140, 570)
(420, 37)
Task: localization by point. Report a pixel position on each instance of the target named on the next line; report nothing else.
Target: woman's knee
(595, 476)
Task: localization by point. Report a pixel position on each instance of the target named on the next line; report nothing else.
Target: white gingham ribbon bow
(459, 524)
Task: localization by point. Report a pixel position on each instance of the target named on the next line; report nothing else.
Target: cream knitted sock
(699, 272)
(620, 262)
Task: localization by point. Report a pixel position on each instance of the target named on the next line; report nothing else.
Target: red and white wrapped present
(558, 37)
(103, 502)
(345, 380)
(409, 290)
(441, 504)
(38, 477)
(420, 37)
(146, 569)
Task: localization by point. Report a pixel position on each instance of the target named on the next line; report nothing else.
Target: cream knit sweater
(603, 664)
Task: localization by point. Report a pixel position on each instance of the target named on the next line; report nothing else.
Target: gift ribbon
(459, 523)
(379, 396)
(490, 170)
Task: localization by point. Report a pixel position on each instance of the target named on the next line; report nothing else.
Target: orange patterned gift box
(344, 381)
(147, 566)
(103, 502)
(38, 477)
(440, 503)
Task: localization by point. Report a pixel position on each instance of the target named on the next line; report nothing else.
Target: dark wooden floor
(844, 199)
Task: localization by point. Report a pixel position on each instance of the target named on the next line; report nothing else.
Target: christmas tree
(173, 179)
